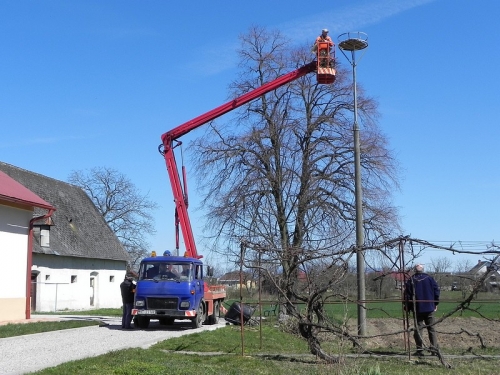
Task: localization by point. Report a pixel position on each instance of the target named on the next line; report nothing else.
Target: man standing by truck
(127, 288)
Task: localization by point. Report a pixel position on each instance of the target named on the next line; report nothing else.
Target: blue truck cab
(172, 287)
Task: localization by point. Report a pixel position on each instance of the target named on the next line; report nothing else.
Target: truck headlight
(139, 303)
(185, 304)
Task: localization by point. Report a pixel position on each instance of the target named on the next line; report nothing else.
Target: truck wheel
(142, 322)
(200, 316)
(214, 319)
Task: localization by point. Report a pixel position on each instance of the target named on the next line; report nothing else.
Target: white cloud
(348, 18)
(213, 59)
(39, 141)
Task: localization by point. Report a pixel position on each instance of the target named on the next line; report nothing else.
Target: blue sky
(96, 83)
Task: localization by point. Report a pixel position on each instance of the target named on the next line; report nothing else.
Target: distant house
(17, 204)
(491, 283)
(78, 262)
(480, 268)
(398, 277)
(232, 280)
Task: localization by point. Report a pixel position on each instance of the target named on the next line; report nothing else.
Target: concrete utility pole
(356, 41)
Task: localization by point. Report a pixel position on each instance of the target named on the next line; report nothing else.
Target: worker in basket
(324, 37)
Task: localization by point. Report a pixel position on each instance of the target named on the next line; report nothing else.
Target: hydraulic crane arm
(168, 139)
(185, 128)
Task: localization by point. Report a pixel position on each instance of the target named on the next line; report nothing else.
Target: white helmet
(324, 30)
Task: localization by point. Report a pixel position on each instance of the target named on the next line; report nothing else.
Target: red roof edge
(15, 192)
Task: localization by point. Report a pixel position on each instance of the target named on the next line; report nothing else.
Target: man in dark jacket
(127, 288)
(422, 297)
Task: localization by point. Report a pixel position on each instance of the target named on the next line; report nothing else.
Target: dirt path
(456, 333)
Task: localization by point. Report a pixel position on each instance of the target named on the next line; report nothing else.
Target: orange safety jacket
(321, 39)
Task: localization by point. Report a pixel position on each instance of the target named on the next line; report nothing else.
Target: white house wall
(64, 283)
(13, 252)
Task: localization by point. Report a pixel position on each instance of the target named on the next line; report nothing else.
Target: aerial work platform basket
(325, 73)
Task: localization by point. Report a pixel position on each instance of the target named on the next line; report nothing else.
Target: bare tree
(463, 280)
(282, 181)
(441, 267)
(125, 209)
(462, 266)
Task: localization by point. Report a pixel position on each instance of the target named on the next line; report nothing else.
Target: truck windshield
(161, 271)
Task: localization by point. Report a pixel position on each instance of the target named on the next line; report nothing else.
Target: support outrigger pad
(233, 315)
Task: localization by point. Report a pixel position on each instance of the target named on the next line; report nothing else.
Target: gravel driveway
(28, 353)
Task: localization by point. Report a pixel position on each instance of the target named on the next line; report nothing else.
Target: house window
(45, 235)
(111, 279)
(47, 277)
(73, 279)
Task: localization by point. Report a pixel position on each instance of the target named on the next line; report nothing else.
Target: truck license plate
(146, 312)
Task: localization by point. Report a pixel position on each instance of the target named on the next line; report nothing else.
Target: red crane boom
(168, 139)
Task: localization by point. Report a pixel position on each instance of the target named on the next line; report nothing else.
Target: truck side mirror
(210, 271)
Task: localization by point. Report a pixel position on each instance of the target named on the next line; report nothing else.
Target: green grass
(154, 362)
(280, 354)
(11, 330)
(393, 309)
(96, 312)
(229, 341)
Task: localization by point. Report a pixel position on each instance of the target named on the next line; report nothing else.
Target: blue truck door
(198, 279)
